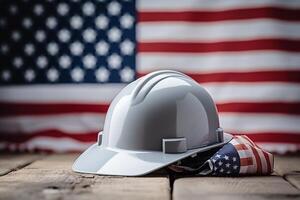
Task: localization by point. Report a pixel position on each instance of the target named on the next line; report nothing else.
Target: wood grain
(52, 178)
(12, 162)
(234, 188)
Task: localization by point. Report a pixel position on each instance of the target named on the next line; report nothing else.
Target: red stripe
(293, 138)
(266, 107)
(269, 170)
(292, 76)
(11, 109)
(224, 46)
(246, 161)
(258, 161)
(23, 137)
(240, 147)
(18, 109)
(224, 15)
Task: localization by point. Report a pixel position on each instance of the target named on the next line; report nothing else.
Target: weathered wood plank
(12, 162)
(234, 188)
(287, 164)
(52, 178)
(289, 168)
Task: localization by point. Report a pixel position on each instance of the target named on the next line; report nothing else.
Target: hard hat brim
(107, 161)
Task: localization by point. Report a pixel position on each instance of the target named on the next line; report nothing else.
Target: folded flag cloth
(239, 157)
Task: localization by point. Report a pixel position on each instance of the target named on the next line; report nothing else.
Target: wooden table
(32, 176)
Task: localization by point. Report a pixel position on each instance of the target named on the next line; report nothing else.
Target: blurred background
(63, 61)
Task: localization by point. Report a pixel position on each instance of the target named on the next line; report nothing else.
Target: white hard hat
(156, 120)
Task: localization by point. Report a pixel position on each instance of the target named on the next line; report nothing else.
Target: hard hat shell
(154, 121)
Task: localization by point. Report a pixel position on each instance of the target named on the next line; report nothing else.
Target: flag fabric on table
(62, 62)
(239, 157)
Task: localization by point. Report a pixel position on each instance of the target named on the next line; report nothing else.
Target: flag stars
(4, 49)
(89, 35)
(40, 35)
(64, 35)
(126, 21)
(29, 75)
(5, 75)
(226, 157)
(76, 22)
(220, 163)
(114, 8)
(38, 9)
(76, 48)
(235, 167)
(29, 49)
(88, 9)
(227, 165)
(102, 74)
(17, 62)
(101, 22)
(102, 48)
(52, 74)
(114, 61)
(63, 9)
(221, 170)
(13, 9)
(64, 61)
(127, 47)
(114, 34)
(51, 22)
(234, 159)
(41, 62)
(52, 48)
(16, 36)
(27, 23)
(218, 156)
(77, 74)
(89, 61)
(127, 74)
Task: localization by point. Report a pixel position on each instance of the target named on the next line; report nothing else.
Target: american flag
(239, 157)
(62, 62)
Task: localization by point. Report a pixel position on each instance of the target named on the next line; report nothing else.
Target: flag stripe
(267, 157)
(219, 62)
(64, 93)
(68, 123)
(224, 46)
(274, 137)
(225, 15)
(217, 31)
(19, 109)
(292, 76)
(248, 123)
(258, 160)
(53, 133)
(263, 107)
(246, 161)
(175, 5)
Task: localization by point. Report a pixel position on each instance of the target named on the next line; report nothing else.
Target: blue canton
(52, 41)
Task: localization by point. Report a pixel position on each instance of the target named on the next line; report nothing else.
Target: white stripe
(243, 169)
(59, 145)
(252, 168)
(253, 92)
(249, 123)
(61, 93)
(218, 31)
(219, 62)
(280, 148)
(70, 123)
(171, 5)
(244, 153)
